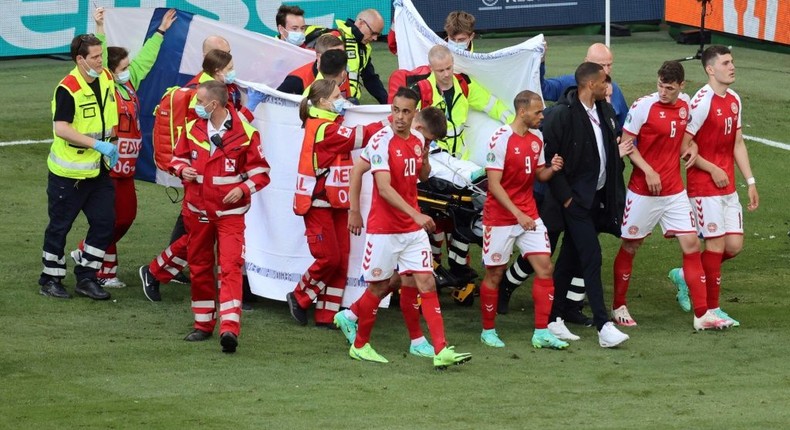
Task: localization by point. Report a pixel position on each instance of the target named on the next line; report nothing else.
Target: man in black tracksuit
(590, 191)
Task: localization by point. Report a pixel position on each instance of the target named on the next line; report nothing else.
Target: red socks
(489, 297)
(411, 311)
(711, 262)
(694, 275)
(623, 264)
(366, 309)
(432, 313)
(542, 295)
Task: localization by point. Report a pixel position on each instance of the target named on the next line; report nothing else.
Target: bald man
(598, 53)
(215, 42)
(357, 34)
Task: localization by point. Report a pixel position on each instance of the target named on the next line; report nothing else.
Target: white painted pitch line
(24, 142)
(779, 145)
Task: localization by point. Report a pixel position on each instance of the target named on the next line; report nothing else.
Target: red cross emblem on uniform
(230, 165)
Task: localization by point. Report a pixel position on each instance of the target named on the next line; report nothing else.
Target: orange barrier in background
(759, 19)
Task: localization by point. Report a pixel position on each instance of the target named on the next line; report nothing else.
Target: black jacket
(567, 131)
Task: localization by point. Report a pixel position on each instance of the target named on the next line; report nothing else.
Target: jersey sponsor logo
(398, 153)
(376, 159)
(344, 131)
(194, 154)
(230, 165)
(517, 150)
(734, 107)
(682, 113)
(661, 114)
(417, 150)
(535, 146)
(490, 157)
(633, 230)
(718, 112)
(712, 227)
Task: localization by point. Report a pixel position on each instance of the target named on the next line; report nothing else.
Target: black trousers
(580, 250)
(178, 229)
(66, 198)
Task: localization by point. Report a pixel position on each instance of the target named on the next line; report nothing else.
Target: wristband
(160, 31)
(750, 181)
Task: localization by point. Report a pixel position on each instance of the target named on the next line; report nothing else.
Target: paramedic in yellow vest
(321, 198)
(455, 94)
(85, 114)
(358, 34)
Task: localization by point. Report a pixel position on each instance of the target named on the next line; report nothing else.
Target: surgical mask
(92, 73)
(295, 38)
(123, 77)
(461, 46)
(339, 105)
(200, 110)
(230, 77)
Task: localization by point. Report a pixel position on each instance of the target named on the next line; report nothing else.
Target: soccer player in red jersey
(715, 127)
(657, 122)
(510, 217)
(396, 231)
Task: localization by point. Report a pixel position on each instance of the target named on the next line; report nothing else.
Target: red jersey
(518, 158)
(714, 123)
(659, 129)
(402, 158)
(130, 138)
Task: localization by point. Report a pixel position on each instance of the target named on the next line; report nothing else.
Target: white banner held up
(504, 73)
(276, 249)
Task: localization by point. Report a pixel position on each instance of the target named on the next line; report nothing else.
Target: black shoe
(181, 278)
(197, 335)
(503, 303)
(444, 278)
(229, 342)
(463, 273)
(299, 314)
(53, 288)
(327, 326)
(576, 316)
(150, 284)
(246, 307)
(90, 288)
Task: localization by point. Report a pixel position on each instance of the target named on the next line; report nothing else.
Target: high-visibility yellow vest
(357, 59)
(474, 96)
(71, 161)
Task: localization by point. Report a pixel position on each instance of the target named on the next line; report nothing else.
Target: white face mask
(461, 46)
(123, 77)
(90, 72)
(295, 38)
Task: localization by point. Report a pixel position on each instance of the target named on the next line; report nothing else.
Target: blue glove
(108, 150)
(353, 100)
(254, 98)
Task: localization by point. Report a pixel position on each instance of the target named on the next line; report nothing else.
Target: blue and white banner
(257, 58)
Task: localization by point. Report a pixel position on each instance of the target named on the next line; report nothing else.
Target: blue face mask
(230, 77)
(92, 73)
(123, 77)
(339, 106)
(461, 46)
(200, 110)
(295, 38)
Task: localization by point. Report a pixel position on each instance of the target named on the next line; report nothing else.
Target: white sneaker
(558, 329)
(710, 321)
(111, 283)
(610, 336)
(620, 316)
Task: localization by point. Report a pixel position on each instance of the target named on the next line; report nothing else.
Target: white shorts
(409, 252)
(642, 213)
(498, 242)
(718, 215)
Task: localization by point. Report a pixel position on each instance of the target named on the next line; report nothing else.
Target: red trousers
(227, 235)
(125, 213)
(326, 230)
(172, 260)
